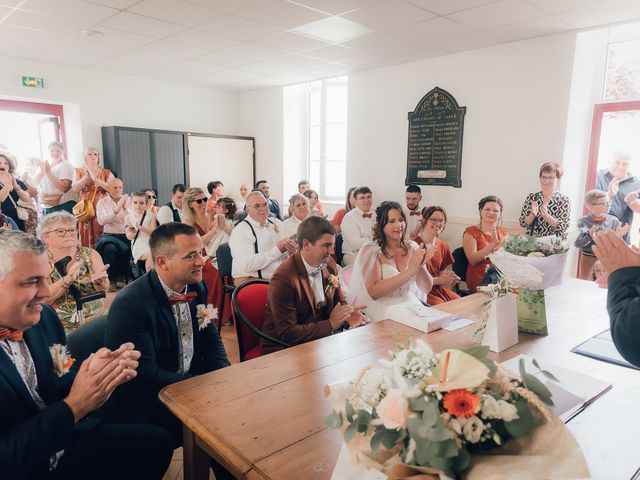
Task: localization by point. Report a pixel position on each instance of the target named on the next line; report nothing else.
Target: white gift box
(420, 317)
(501, 331)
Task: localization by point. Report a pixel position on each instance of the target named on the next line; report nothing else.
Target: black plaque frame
(434, 147)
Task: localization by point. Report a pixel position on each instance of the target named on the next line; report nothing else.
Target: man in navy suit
(159, 314)
(45, 428)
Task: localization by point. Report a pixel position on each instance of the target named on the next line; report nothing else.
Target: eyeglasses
(608, 203)
(200, 200)
(258, 206)
(437, 220)
(548, 177)
(151, 196)
(61, 232)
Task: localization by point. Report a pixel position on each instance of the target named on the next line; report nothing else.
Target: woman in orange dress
(432, 224)
(194, 208)
(482, 240)
(86, 180)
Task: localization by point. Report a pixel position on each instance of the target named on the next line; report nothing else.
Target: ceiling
(242, 45)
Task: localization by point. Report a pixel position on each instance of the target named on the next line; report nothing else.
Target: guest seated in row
(90, 181)
(434, 219)
(304, 302)
(12, 190)
(242, 202)
(194, 207)
(315, 206)
(43, 431)
(547, 212)
(257, 243)
(151, 201)
(598, 219)
(357, 225)
(274, 206)
(413, 197)
(222, 224)
(172, 211)
(77, 270)
(113, 245)
(349, 204)
(386, 270)
(303, 186)
(216, 192)
(299, 208)
(482, 240)
(139, 224)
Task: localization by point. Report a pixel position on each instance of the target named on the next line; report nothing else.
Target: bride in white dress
(389, 267)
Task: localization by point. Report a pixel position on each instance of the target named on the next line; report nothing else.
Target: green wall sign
(33, 82)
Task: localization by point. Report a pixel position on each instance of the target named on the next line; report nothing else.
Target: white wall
(92, 99)
(516, 96)
(260, 115)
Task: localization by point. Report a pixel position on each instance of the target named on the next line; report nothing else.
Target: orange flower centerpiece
(438, 414)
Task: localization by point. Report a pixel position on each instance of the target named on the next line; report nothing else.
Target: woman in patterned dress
(547, 212)
(86, 180)
(85, 270)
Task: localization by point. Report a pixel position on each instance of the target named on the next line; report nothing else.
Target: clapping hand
(495, 242)
(632, 197)
(416, 261)
(534, 208)
(614, 186)
(351, 315)
(622, 230)
(544, 211)
(448, 278)
(100, 275)
(613, 252)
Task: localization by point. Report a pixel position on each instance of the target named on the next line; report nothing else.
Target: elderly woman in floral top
(85, 269)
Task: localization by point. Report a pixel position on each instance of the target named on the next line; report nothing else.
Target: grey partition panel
(135, 159)
(169, 151)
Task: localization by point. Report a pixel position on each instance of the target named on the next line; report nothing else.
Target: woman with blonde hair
(194, 209)
(90, 181)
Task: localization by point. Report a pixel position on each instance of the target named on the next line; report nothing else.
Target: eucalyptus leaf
(363, 417)
(537, 387)
(334, 420)
(349, 433)
(461, 461)
(523, 425)
(521, 367)
(535, 363)
(431, 414)
(550, 375)
(437, 434)
(376, 440)
(390, 438)
(348, 411)
(418, 404)
(479, 352)
(443, 464)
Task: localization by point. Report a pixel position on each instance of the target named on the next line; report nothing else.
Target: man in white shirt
(55, 181)
(113, 245)
(413, 196)
(172, 211)
(257, 245)
(357, 224)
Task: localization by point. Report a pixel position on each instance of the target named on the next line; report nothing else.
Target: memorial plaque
(434, 152)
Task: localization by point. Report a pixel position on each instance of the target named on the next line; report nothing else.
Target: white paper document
(420, 317)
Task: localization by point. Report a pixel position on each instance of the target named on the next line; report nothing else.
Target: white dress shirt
(316, 281)
(64, 171)
(165, 214)
(412, 220)
(246, 262)
(290, 226)
(106, 215)
(356, 231)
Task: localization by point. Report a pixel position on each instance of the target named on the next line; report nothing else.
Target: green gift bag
(532, 312)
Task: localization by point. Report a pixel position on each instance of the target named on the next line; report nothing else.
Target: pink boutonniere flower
(332, 282)
(205, 314)
(62, 360)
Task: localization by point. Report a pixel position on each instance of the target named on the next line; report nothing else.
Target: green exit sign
(33, 82)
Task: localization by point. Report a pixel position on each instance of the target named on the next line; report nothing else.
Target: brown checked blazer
(291, 314)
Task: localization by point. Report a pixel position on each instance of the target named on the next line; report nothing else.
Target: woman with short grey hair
(74, 265)
(298, 211)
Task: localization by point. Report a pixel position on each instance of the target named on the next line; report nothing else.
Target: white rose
(508, 412)
(473, 429)
(490, 407)
(393, 410)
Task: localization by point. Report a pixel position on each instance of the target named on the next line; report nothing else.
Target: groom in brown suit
(305, 299)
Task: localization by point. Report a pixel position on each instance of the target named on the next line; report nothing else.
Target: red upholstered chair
(249, 301)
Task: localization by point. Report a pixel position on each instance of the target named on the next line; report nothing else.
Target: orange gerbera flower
(461, 402)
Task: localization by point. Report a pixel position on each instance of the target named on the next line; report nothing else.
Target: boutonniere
(62, 360)
(332, 282)
(204, 314)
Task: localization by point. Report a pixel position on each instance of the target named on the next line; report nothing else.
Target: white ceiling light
(88, 33)
(333, 29)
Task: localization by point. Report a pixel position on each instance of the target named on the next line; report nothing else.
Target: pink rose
(393, 410)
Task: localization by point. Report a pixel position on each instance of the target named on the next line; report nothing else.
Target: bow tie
(8, 334)
(414, 212)
(598, 219)
(367, 215)
(315, 273)
(184, 298)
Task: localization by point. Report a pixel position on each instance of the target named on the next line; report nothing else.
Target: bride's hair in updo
(382, 218)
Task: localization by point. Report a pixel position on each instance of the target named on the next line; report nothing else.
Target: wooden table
(263, 419)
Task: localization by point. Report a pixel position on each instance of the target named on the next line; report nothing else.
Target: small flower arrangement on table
(435, 414)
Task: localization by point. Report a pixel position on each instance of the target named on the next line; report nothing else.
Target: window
(328, 137)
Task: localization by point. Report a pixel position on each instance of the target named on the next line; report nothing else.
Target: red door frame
(32, 107)
(596, 128)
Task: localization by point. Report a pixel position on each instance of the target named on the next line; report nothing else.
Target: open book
(572, 394)
(420, 317)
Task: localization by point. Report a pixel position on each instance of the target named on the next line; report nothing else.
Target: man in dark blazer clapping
(49, 428)
(165, 314)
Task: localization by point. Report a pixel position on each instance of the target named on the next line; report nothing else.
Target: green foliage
(522, 245)
(481, 353)
(535, 385)
(334, 420)
(523, 425)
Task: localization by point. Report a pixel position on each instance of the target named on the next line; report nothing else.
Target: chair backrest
(460, 263)
(87, 339)
(344, 275)
(338, 249)
(249, 301)
(225, 260)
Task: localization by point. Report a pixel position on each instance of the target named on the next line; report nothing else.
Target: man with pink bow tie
(356, 224)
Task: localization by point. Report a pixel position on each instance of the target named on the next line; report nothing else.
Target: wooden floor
(230, 340)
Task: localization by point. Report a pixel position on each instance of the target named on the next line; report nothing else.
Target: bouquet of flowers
(435, 414)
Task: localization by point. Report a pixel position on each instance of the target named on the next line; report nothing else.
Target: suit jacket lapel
(166, 312)
(328, 292)
(39, 349)
(304, 281)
